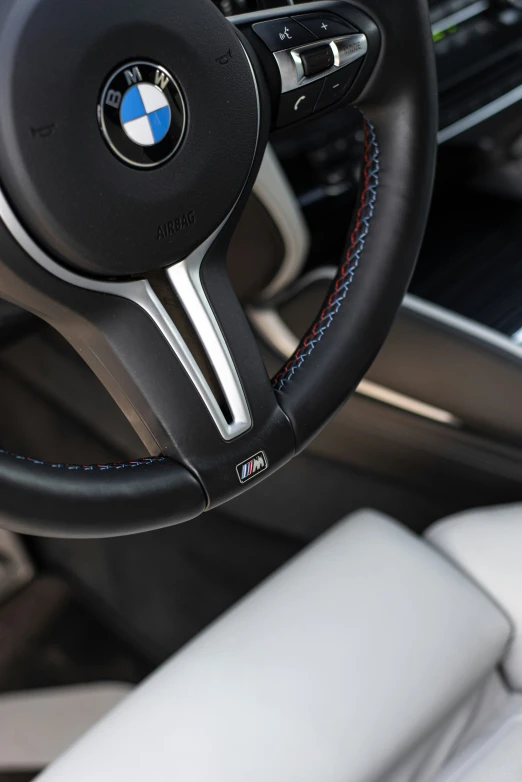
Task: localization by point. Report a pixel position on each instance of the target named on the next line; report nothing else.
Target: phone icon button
(298, 104)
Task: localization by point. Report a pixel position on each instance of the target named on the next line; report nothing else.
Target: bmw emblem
(142, 114)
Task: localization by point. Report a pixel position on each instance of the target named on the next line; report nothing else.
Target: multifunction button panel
(318, 57)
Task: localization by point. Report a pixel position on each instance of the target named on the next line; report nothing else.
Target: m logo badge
(252, 467)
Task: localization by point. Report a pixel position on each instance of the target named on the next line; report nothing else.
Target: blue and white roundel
(142, 114)
(145, 114)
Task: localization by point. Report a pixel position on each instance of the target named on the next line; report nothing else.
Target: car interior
(261, 372)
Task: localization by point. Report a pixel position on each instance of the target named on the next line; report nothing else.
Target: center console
(478, 45)
(475, 213)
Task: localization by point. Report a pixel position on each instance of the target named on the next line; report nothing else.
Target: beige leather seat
(372, 656)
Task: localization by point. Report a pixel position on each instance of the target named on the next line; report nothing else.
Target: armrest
(487, 545)
(333, 669)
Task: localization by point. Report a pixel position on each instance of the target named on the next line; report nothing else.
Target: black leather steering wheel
(130, 138)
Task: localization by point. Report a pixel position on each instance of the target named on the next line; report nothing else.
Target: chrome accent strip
(271, 327)
(469, 12)
(336, 54)
(457, 322)
(141, 293)
(478, 116)
(425, 308)
(290, 70)
(392, 398)
(517, 337)
(346, 49)
(299, 68)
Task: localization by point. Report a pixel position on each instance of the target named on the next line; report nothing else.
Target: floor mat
(49, 640)
(161, 588)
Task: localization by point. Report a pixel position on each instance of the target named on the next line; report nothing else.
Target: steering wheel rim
(193, 465)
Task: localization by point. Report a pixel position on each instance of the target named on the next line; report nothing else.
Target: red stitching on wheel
(347, 269)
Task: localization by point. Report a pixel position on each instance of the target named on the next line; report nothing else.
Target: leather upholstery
(95, 502)
(487, 545)
(339, 667)
(495, 755)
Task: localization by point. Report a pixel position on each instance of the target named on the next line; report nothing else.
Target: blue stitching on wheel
(353, 257)
(87, 467)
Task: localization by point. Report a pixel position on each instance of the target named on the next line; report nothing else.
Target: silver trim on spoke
(139, 292)
(185, 279)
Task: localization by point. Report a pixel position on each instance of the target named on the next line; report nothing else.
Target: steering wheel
(130, 138)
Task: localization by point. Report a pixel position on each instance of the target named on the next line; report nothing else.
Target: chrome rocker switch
(305, 64)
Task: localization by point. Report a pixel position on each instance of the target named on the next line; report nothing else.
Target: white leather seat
(369, 658)
(487, 545)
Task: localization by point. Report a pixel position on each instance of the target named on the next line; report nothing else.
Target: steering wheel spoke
(192, 395)
(232, 416)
